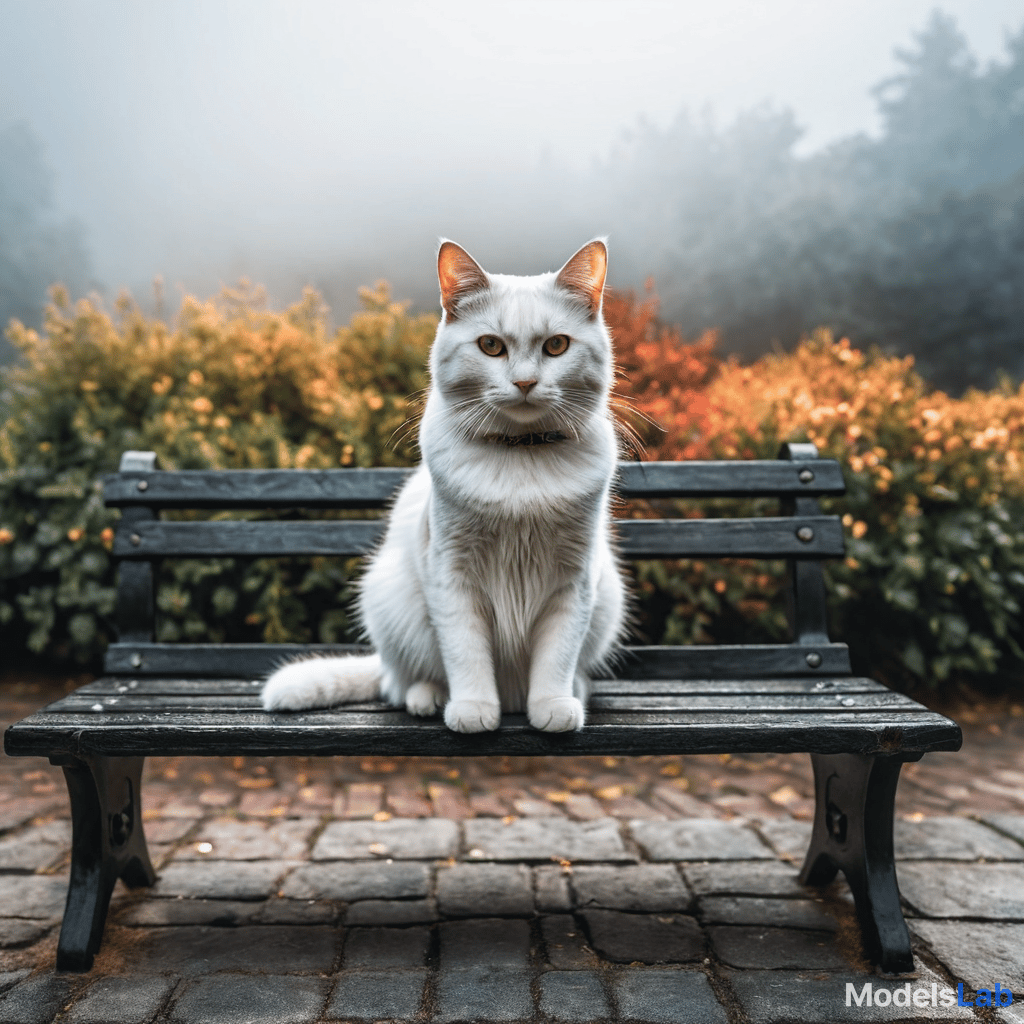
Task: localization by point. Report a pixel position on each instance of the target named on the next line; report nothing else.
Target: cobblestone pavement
(510, 889)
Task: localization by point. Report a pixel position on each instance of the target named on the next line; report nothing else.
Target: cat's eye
(491, 346)
(557, 345)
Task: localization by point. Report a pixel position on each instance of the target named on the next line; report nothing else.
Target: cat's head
(515, 354)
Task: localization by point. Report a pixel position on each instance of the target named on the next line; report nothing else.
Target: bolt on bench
(203, 699)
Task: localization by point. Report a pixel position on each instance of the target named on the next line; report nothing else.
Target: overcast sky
(203, 140)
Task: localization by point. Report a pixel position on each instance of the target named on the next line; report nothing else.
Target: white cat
(496, 587)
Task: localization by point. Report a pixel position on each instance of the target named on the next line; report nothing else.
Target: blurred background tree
(913, 241)
(36, 247)
(911, 238)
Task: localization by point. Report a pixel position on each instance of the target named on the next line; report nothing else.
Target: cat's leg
(413, 673)
(558, 690)
(473, 704)
(608, 620)
(418, 686)
(403, 687)
(581, 687)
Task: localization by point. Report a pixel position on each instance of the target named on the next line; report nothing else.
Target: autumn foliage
(932, 587)
(930, 592)
(662, 381)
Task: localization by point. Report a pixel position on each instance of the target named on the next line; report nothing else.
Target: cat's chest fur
(523, 554)
(519, 549)
(517, 529)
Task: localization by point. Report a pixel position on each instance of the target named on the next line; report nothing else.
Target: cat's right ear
(459, 275)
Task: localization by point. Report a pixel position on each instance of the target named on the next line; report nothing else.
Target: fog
(736, 152)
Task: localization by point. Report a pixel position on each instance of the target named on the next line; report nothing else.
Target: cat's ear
(458, 275)
(584, 274)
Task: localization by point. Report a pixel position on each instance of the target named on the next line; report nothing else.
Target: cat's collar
(524, 440)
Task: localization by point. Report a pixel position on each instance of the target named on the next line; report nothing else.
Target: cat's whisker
(626, 404)
(626, 428)
(407, 427)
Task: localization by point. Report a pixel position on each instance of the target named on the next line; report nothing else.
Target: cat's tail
(323, 682)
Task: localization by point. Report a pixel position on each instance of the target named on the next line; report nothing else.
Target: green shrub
(931, 590)
(229, 385)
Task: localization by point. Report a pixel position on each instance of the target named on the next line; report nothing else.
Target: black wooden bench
(203, 699)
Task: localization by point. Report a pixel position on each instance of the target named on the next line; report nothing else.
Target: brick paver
(533, 889)
(573, 996)
(248, 999)
(124, 1000)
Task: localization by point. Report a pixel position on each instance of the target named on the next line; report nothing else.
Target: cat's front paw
(556, 714)
(472, 715)
(424, 699)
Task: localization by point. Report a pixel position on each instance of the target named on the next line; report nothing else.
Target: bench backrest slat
(372, 488)
(741, 661)
(766, 537)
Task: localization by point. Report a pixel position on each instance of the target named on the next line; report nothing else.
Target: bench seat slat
(739, 661)
(319, 733)
(200, 688)
(193, 707)
(764, 537)
(372, 488)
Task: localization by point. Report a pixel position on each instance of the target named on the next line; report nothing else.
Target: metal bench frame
(202, 699)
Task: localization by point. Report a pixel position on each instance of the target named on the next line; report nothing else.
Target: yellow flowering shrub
(228, 385)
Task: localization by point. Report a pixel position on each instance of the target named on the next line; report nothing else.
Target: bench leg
(107, 843)
(855, 799)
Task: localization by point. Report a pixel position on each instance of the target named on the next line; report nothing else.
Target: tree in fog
(947, 127)
(949, 281)
(914, 240)
(36, 248)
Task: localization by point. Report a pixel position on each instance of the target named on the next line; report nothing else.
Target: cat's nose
(524, 385)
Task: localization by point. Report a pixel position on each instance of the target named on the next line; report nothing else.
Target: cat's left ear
(584, 274)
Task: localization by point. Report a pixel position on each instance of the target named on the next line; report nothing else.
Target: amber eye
(491, 346)
(557, 345)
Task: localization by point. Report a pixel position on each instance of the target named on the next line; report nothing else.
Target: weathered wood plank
(700, 661)
(373, 488)
(765, 537)
(119, 686)
(191, 709)
(255, 488)
(746, 478)
(248, 538)
(754, 704)
(231, 660)
(395, 733)
(731, 661)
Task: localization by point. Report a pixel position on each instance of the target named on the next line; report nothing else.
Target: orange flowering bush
(933, 583)
(661, 391)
